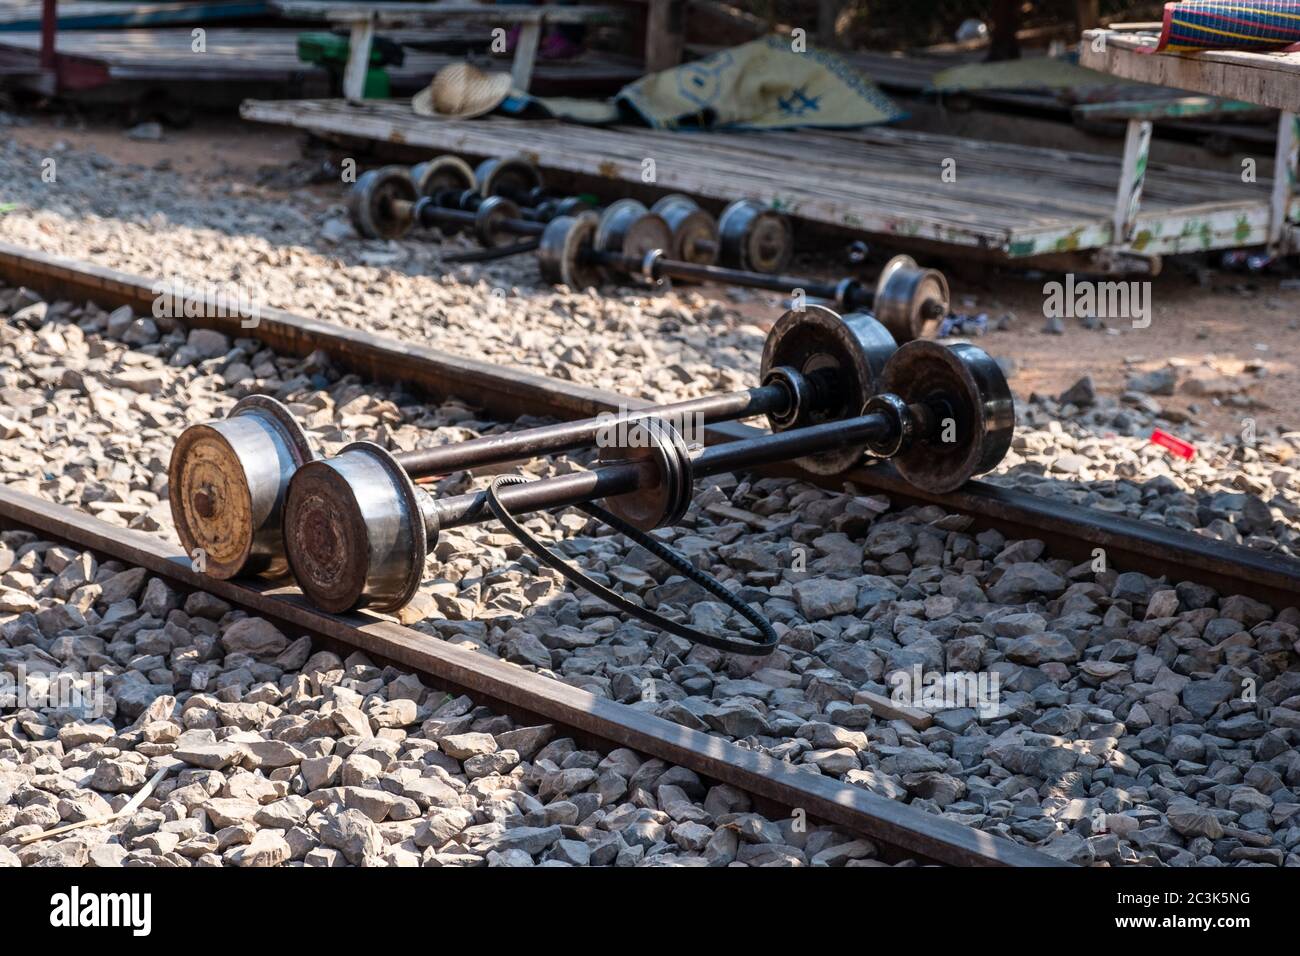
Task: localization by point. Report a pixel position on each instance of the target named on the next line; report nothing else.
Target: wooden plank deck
(25, 15)
(1265, 78)
(1109, 98)
(1268, 79)
(269, 57)
(361, 19)
(341, 11)
(1014, 202)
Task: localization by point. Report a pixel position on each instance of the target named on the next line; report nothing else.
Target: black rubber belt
(493, 253)
(752, 646)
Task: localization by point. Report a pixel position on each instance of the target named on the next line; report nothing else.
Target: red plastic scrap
(1175, 446)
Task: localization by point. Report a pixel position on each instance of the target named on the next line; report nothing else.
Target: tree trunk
(828, 14)
(1006, 24)
(1088, 14)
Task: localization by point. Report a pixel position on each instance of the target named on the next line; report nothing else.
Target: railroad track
(1068, 530)
(904, 832)
(901, 832)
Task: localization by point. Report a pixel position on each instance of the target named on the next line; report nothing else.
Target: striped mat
(1230, 25)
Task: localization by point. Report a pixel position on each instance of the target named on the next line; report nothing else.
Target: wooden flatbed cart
(1008, 203)
(1266, 79)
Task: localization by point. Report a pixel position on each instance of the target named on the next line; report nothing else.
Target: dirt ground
(1245, 323)
(213, 144)
(1232, 320)
(1207, 321)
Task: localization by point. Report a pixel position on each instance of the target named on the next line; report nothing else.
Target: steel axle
(608, 481)
(227, 479)
(903, 299)
(358, 530)
(849, 295)
(387, 203)
(495, 220)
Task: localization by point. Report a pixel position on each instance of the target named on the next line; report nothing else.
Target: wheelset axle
(227, 480)
(358, 530)
(575, 251)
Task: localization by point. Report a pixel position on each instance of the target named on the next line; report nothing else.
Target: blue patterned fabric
(1230, 25)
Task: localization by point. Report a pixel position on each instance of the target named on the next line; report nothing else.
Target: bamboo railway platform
(1106, 97)
(1270, 79)
(1267, 78)
(25, 15)
(361, 20)
(1009, 203)
(1095, 106)
(237, 63)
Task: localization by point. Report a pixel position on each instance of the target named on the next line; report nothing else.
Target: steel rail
(1070, 531)
(902, 830)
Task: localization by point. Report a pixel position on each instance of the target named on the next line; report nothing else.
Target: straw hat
(462, 91)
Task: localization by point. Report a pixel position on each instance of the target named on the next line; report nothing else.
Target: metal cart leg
(354, 74)
(521, 71)
(1133, 174)
(1284, 183)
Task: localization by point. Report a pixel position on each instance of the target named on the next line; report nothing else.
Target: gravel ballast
(266, 752)
(1137, 720)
